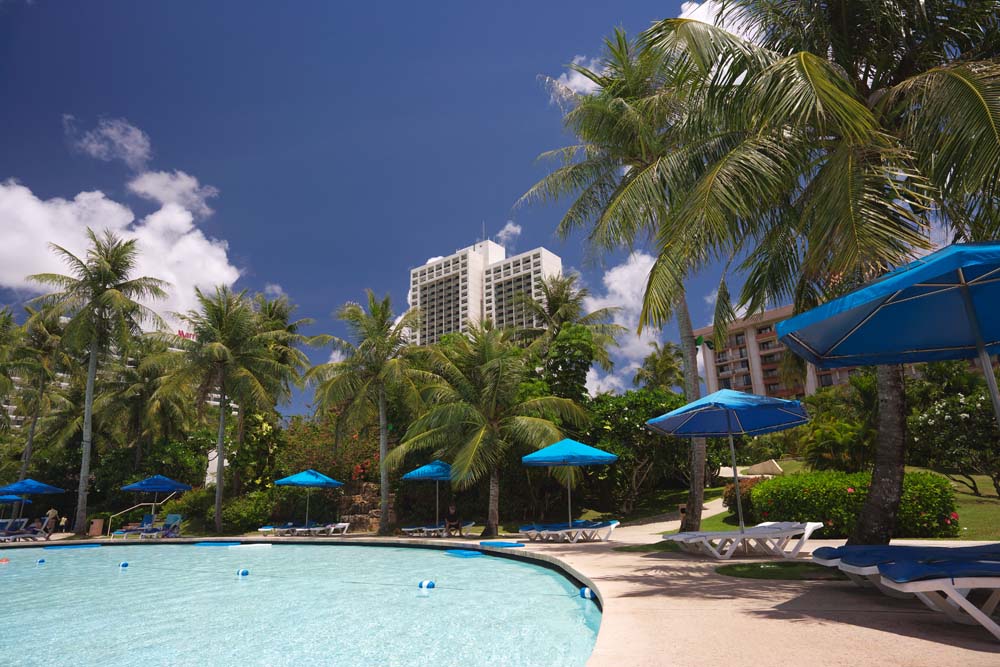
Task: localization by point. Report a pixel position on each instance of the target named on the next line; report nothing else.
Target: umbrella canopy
(727, 413)
(309, 479)
(157, 484)
(435, 471)
(568, 452)
(30, 487)
(13, 499)
(942, 306)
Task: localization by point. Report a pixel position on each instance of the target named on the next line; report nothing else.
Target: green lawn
(662, 501)
(781, 570)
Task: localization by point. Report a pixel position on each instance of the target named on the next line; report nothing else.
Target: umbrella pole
(569, 501)
(308, 491)
(984, 358)
(437, 503)
(736, 475)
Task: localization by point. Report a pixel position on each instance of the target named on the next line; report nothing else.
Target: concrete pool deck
(665, 608)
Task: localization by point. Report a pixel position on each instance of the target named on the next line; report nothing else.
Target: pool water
(300, 605)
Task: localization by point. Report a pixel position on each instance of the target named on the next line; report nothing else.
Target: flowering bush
(927, 508)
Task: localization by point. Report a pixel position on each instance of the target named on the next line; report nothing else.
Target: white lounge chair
(331, 529)
(944, 586)
(766, 539)
(589, 531)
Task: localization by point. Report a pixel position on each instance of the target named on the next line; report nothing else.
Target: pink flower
(954, 515)
(850, 489)
(948, 521)
(763, 513)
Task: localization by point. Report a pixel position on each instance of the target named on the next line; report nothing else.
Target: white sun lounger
(590, 532)
(328, 529)
(945, 586)
(766, 539)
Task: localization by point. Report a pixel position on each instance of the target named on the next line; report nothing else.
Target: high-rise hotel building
(750, 360)
(475, 284)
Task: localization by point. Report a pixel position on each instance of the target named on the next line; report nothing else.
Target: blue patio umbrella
(156, 485)
(12, 499)
(728, 413)
(309, 480)
(942, 306)
(436, 471)
(29, 486)
(568, 452)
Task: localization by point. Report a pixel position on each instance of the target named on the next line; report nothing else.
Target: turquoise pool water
(300, 605)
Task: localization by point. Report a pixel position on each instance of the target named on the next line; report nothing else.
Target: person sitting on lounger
(452, 521)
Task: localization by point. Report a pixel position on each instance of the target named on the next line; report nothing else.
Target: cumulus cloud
(431, 260)
(336, 357)
(570, 83)
(171, 247)
(624, 285)
(602, 383)
(712, 297)
(112, 139)
(274, 291)
(508, 234)
(709, 12)
(176, 187)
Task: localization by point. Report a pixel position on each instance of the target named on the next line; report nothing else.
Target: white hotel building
(475, 284)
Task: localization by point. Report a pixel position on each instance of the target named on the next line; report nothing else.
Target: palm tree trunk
(29, 444)
(878, 516)
(493, 511)
(692, 391)
(383, 451)
(80, 522)
(220, 457)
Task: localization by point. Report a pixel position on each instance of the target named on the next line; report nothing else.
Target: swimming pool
(300, 605)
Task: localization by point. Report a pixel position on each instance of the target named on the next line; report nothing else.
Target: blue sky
(314, 148)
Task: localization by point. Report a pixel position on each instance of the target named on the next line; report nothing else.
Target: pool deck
(665, 608)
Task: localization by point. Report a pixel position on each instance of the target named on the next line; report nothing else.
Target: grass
(661, 501)
(786, 570)
(658, 547)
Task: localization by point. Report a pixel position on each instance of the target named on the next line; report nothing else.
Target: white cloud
(708, 12)
(624, 286)
(431, 260)
(112, 139)
(573, 82)
(600, 383)
(336, 357)
(170, 246)
(274, 291)
(712, 297)
(508, 234)
(178, 187)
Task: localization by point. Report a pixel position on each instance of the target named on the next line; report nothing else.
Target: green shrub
(194, 507)
(247, 512)
(729, 496)
(927, 508)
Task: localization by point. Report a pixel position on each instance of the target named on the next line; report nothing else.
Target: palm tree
(41, 357)
(829, 146)
(563, 302)
(102, 303)
(662, 368)
(231, 358)
(372, 364)
(476, 417)
(628, 129)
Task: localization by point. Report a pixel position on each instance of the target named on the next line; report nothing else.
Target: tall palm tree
(101, 300)
(830, 145)
(564, 302)
(372, 364)
(231, 358)
(627, 130)
(662, 368)
(476, 417)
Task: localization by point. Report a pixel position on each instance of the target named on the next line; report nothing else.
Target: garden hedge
(927, 508)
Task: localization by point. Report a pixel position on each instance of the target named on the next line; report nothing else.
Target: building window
(826, 380)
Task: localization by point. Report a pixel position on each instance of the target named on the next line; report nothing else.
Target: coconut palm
(102, 303)
(824, 150)
(40, 357)
(476, 417)
(662, 368)
(364, 370)
(564, 302)
(628, 129)
(231, 358)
